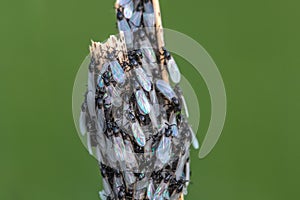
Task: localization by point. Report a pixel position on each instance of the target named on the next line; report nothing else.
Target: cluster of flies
(135, 122)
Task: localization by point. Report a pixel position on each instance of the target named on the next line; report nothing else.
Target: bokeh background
(254, 43)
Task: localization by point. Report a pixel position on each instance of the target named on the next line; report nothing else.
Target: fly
(165, 89)
(169, 93)
(171, 65)
(147, 48)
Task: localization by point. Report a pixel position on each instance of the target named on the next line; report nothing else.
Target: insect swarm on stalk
(134, 120)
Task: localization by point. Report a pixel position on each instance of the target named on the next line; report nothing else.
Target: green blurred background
(255, 45)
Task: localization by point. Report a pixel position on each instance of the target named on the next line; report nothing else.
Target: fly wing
(165, 89)
(124, 2)
(117, 72)
(148, 53)
(123, 25)
(149, 19)
(128, 10)
(143, 102)
(158, 195)
(138, 134)
(100, 120)
(119, 148)
(130, 156)
(173, 71)
(154, 102)
(163, 152)
(150, 190)
(136, 18)
(143, 79)
(185, 106)
(153, 117)
(181, 163)
(148, 7)
(115, 97)
(106, 186)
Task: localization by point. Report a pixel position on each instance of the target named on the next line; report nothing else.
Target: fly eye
(120, 15)
(139, 53)
(168, 132)
(140, 7)
(175, 101)
(134, 63)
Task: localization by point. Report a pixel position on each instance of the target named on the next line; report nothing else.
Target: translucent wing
(130, 156)
(138, 134)
(181, 163)
(149, 54)
(142, 101)
(129, 38)
(158, 195)
(98, 154)
(115, 97)
(103, 195)
(165, 89)
(163, 152)
(124, 2)
(149, 19)
(185, 106)
(119, 148)
(173, 71)
(123, 25)
(143, 79)
(128, 10)
(106, 186)
(136, 18)
(117, 72)
(110, 154)
(150, 190)
(104, 68)
(187, 176)
(154, 102)
(148, 7)
(100, 120)
(153, 117)
(129, 178)
(139, 194)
